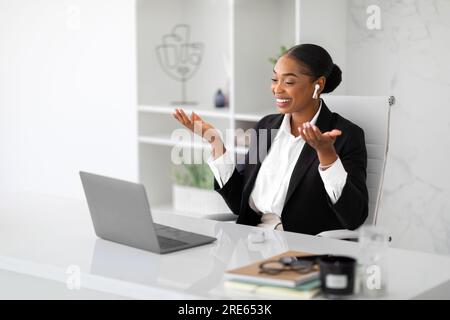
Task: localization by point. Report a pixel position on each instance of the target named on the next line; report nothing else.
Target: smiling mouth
(282, 103)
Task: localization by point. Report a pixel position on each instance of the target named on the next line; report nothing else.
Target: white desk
(41, 236)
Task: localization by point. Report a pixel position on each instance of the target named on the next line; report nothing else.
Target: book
(305, 291)
(252, 273)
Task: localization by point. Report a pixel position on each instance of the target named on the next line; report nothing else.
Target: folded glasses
(303, 264)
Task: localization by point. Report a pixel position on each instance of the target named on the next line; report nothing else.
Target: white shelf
(167, 140)
(202, 112)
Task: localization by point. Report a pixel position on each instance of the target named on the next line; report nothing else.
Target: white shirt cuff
(334, 179)
(271, 221)
(222, 167)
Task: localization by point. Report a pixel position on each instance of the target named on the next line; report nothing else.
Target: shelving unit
(238, 37)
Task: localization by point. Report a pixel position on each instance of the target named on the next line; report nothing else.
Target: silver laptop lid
(120, 211)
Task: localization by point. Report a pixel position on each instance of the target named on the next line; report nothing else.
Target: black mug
(337, 275)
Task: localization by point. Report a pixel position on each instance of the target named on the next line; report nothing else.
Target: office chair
(372, 114)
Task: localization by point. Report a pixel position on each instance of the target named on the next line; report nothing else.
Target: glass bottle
(372, 261)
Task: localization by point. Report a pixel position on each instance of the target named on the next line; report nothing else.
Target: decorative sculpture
(180, 58)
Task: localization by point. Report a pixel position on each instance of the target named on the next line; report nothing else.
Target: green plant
(283, 50)
(193, 175)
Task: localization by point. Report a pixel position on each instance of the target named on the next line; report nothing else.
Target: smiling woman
(313, 178)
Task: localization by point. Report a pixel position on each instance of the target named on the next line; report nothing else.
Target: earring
(315, 95)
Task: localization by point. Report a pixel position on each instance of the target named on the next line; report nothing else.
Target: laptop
(120, 212)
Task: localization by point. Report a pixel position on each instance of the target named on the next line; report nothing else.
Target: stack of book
(287, 284)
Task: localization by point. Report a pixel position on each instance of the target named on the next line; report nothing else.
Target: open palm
(196, 124)
(316, 139)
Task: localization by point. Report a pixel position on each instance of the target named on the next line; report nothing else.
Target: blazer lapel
(308, 154)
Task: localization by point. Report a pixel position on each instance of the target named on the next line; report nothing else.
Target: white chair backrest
(372, 115)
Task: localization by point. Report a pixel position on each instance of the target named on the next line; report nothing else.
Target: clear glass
(372, 261)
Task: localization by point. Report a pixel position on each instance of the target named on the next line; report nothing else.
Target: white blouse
(272, 182)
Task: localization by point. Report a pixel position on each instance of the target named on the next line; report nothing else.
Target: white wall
(408, 58)
(324, 22)
(261, 27)
(67, 93)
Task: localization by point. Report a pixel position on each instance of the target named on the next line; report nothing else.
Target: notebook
(307, 290)
(251, 273)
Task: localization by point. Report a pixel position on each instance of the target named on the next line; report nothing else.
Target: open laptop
(120, 212)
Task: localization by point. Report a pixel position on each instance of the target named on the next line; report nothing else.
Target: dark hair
(318, 63)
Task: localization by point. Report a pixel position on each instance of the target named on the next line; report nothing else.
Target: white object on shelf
(197, 202)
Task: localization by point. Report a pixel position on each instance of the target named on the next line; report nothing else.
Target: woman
(313, 178)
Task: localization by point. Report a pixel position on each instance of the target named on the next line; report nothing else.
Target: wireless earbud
(317, 87)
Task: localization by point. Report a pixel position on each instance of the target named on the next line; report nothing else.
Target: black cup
(337, 276)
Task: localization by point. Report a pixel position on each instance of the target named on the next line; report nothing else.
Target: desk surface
(42, 236)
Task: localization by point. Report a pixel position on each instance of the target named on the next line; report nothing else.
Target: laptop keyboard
(166, 243)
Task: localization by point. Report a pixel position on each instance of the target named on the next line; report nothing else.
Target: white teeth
(283, 100)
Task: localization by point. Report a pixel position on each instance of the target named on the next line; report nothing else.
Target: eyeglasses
(302, 264)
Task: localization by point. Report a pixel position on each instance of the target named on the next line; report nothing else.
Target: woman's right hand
(197, 125)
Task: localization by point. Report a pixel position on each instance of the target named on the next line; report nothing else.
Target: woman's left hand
(323, 143)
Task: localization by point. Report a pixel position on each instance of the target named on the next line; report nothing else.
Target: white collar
(285, 127)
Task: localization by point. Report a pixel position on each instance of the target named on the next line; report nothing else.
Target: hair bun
(333, 80)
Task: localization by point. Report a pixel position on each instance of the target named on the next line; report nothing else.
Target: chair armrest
(342, 234)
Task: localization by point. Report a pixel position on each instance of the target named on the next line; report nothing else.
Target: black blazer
(307, 208)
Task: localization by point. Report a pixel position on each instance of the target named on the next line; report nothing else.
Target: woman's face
(292, 89)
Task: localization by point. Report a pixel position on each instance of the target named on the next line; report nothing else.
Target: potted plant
(193, 191)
